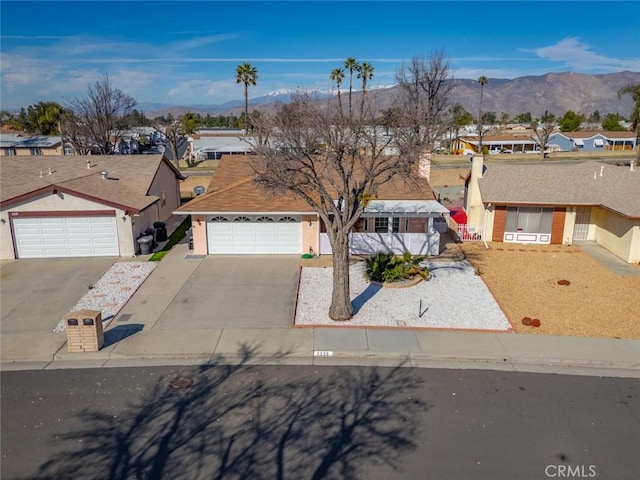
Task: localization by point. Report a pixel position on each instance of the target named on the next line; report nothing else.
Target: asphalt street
(310, 422)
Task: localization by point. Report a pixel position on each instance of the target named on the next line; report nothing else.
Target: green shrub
(386, 267)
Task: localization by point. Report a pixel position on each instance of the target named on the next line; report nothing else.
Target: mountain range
(555, 92)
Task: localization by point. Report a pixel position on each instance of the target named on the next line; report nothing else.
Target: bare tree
(176, 135)
(425, 88)
(98, 118)
(335, 161)
(542, 130)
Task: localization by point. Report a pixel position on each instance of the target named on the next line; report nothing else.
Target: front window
(381, 225)
(10, 152)
(529, 219)
(395, 225)
(36, 151)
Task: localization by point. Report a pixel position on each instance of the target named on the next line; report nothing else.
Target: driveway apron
(37, 293)
(229, 292)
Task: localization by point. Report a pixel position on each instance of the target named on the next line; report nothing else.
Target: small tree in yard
(542, 130)
(333, 158)
(176, 134)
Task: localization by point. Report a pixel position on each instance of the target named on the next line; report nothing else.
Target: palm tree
(634, 91)
(365, 72)
(248, 75)
(482, 81)
(352, 65)
(337, 75)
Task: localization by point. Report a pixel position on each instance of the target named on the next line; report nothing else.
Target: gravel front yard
(455, 298)
(524, 281)
(112, 291)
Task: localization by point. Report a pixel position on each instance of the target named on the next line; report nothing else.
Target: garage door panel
(38, 237)
(260, 238)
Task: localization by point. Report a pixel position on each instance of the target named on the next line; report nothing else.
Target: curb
(391, 359)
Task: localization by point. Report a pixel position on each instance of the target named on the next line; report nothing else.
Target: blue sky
(185, 53)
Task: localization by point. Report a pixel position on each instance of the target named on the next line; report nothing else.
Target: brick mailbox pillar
(84, 331)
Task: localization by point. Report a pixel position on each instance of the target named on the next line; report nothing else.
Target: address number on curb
(322, 353)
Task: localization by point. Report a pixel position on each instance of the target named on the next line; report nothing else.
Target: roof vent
(103, 174)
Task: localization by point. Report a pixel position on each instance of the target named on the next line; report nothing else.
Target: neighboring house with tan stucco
(557, 204)
(15, 144)
(234, 216)
(77, 206)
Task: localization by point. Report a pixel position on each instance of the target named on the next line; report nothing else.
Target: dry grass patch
(448, 176)
(524, 280)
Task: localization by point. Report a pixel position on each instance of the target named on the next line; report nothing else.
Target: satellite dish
(161, 148)
(199, 190)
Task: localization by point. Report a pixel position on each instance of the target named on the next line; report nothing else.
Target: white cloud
(193, 90)
(580, 57)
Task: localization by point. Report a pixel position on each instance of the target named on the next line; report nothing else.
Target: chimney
(477, 166)
(424, 165)
(632, 164)
(50, 171)
(103, 174)
(88, 163)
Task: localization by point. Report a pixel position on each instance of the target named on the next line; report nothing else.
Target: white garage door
(40, 237)
(254, 235)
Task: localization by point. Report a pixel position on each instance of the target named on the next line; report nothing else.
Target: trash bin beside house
(160, 231)
(145, 243)
(84, 331)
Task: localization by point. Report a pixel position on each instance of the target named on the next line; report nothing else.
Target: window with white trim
(242, 219)
(286, 219)
(264, 219)
(10, 152)
(35, 151)
(395, 224)
(529, 219)
(219, 219)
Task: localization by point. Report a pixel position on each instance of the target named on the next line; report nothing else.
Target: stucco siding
(634, 253)
(63, 202)
(166, 187)
(615, 233)
(199, 231)
(487, 233)
(569, 223)
(310, 234)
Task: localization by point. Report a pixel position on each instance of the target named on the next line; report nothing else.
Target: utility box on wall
(84, 331)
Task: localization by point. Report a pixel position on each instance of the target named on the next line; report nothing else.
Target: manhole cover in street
(181, 382)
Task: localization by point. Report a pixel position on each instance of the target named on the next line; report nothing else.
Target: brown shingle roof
(127, 185)
(617, 189)
(232, 189)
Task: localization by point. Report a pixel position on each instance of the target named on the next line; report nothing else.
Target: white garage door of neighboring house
(254, 235)
(41, 237)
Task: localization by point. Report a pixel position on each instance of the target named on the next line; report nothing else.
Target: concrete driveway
(255, 291)
(37, 293)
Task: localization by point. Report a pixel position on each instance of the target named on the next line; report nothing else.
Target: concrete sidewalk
(136, 338)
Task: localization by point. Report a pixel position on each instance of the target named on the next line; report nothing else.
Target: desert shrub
(387, 267)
